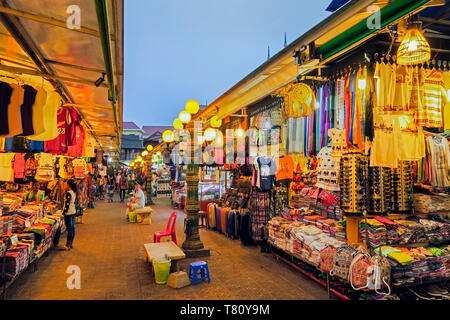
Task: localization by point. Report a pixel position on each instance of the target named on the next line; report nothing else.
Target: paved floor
(109, 251)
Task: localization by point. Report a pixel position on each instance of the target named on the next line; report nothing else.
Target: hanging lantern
(138, 158)
(149, 148)
(177, 124)
(414, 48)
(184, 116)
(144, 153)
(215, 122)
(192, 106)
(210, 134)
(168, 136)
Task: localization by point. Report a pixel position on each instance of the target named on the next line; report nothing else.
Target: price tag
(14, 239)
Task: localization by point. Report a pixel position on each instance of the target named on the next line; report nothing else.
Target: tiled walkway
(109, 250)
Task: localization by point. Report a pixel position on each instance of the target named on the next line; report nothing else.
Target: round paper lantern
(177, 124)
(168, 136)
(215, 122)
(192, 106)
(184, 117)
(149, 148)
(210, 134)
(144, 153)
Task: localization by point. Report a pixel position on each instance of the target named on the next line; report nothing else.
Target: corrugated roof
(129, 125)
(151, 130)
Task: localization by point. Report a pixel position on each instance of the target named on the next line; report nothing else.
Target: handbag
(326, 258)
(359, 269)
(380, 274)
(342, 261)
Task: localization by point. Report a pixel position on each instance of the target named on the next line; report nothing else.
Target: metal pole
(192, 241)
(148, 163)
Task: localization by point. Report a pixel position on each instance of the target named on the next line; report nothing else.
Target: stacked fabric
(15, 260)
(424, 203)
(413, 232)
(6, 224)
(432, 229)
(376, 232)
(392, 235)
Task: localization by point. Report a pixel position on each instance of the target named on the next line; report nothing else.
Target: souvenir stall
(42, 145)
(376, 126)
(357, 195)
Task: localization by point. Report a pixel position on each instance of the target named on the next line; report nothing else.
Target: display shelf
(420, 283)
(326, 284)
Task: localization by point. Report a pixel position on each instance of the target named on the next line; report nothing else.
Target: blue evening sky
(176, 50)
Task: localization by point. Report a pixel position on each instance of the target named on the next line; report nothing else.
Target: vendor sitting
(35, 194)
(138, 200)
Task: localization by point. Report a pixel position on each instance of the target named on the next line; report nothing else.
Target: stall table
(159, 249)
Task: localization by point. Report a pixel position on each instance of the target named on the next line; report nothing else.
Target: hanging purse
(326, 258)
(359, 269)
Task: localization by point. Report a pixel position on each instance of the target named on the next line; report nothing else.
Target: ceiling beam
(48, 76)
(59, 63)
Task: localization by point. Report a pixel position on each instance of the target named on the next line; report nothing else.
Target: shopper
(138, 200)
(69, 212)
(118, 177)
(123, 186)
(110, 188)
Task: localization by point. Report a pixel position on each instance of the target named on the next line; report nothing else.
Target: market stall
(355, 195)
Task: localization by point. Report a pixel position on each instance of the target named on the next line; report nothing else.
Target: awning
(343, 30)
(35, 39)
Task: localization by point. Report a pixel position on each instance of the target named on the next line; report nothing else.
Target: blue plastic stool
(198, 268)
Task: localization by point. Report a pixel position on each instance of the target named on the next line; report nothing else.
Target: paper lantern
(149, 148)
(215, 122)
(177, 124)
(414, 48)
(192, 106)
(144, 153)
(168, 136)
(184, 117)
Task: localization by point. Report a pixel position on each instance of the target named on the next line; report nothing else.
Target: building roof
(130, 125)
(151, 130)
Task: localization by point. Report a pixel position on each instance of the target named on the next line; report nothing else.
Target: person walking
(118, 176)
(69, 212)
(123, 185)
(110, 188)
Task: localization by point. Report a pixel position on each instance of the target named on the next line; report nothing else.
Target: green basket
(132, 217)
(161, 268)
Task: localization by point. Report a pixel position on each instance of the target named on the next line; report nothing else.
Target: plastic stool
(198, 268)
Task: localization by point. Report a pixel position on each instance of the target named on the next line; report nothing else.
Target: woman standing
(110, 188)
(69, 212)
(123, 186)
